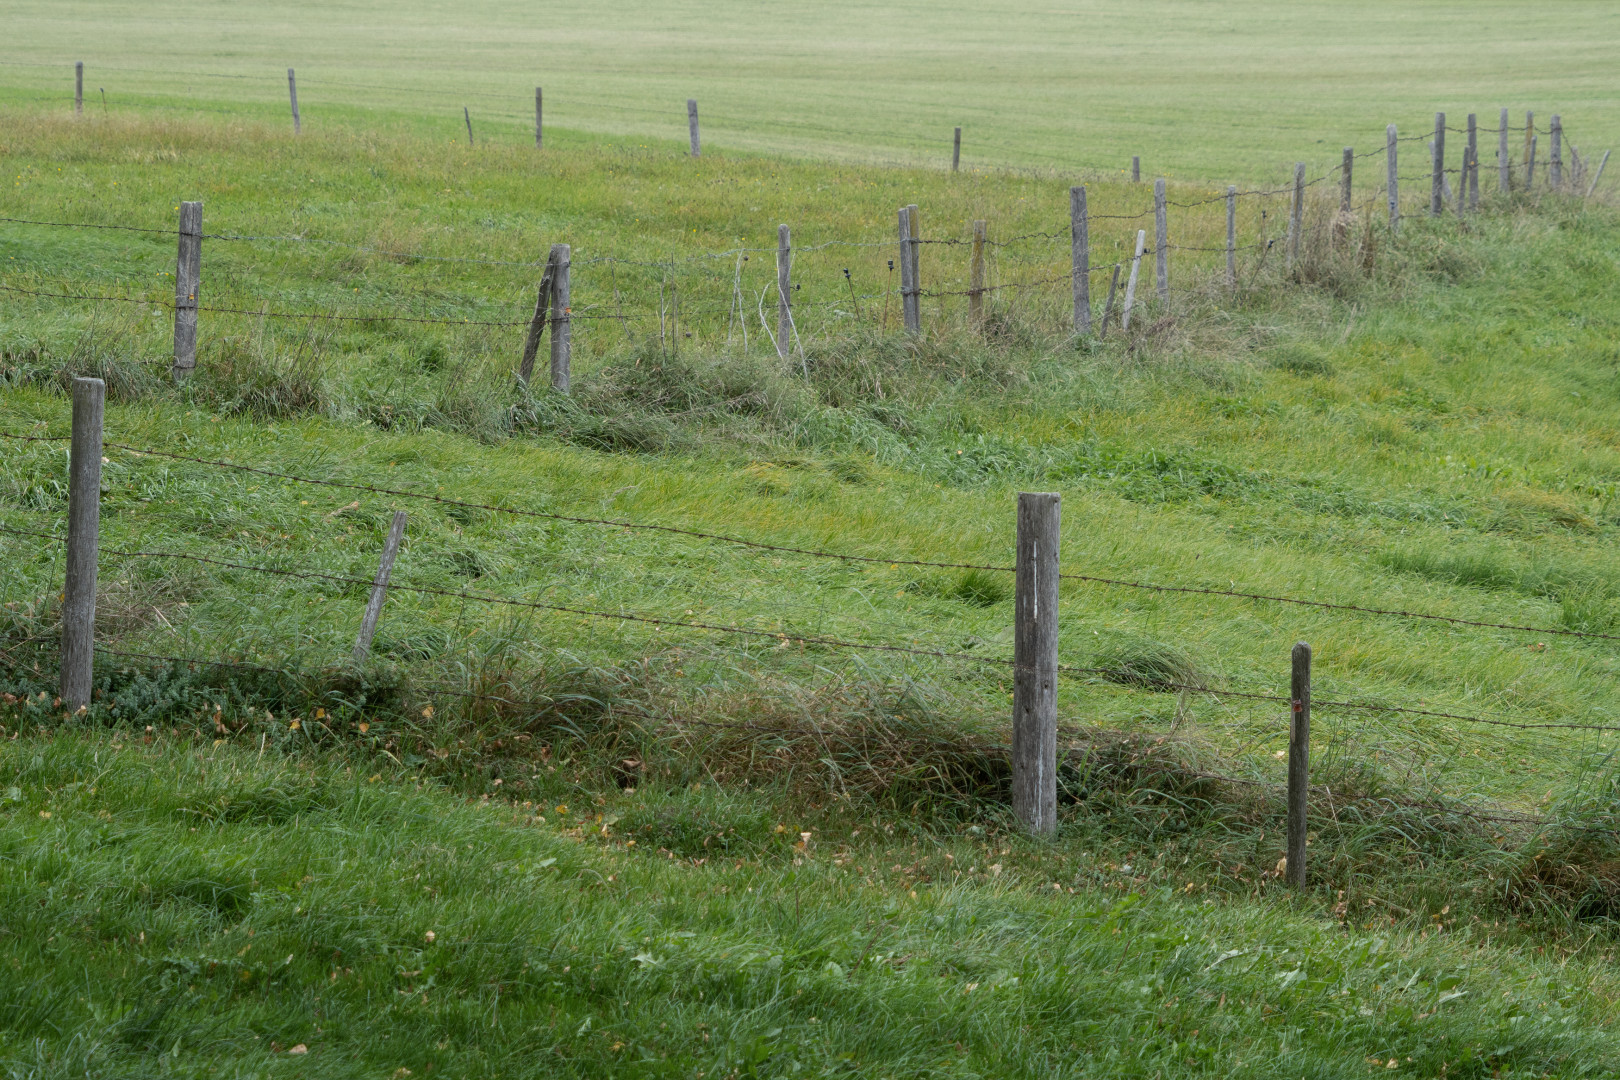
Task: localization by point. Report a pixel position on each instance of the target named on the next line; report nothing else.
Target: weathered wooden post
(537, 324)
(1296, 214)
(1299, 763)
(78, 88)
(1473, 162)
(956, 151)
(1504, 166)
(1529, 142)
(1161, 225)
(379, 590)
(1341, 223)
(537, 130)
(1130, 285)
(562, 342)
(1530, 164)
(1080, 258)
(1437, 187)
(1035, 663)
(468, 117)
(292, 95)
(1555, 171)
(910, 290)
(692, 126)
(84, 526)
(784, 290)
(1231, 236)
(187, 282)
(1601, 165)
(1136, 168)
(1393, 181)
(1108, 309)
(981, 234)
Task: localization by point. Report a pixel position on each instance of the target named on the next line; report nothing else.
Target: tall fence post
(910, 290)
(562, 343)
(1437, 187)
(784, 289)
(1130, 285)
(1161, 249)
(1504, 166)
(84, 525)
(292, 95)
(1555, 165)
(1035, 663)
(1080, 258)
(1296, 214)
(187, 281)
(1136, 168)
(537, 325)
(1299, 762)
(78, 88)
(1473, 162)
(981, 233)
(1341, 223)
(537, 129)
(1393, 182)
(956, 151)
(692, 126)
(379, 590)
(1231, 236)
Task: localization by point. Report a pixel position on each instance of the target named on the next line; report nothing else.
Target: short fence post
(1130, 286)
(981, 234)
(78, 88)
(1296, 214)
(1393, 181)
(1462, 183)
(379, 590)
(1529, 142)
(1299, 763)
(784, 289)
(1599, 175)
(1473, 162)
(468, 117)
(1231, 236)
(1136, 169)
(562, 343)
(187, 281)
(1530, 165)
(1035, 663)
(1108, 309)
(84, 525)
(692, 125)
(1341, 224)
(1555, 172)
(956, 151)
(1437, 190)
(1161, 225)
(1080, 257)
(1504, 168)
(537, 325)
(292, 95)
(537, 118)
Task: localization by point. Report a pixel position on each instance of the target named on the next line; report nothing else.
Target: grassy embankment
(1437, 436)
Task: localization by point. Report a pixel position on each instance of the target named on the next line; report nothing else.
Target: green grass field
(649, 849)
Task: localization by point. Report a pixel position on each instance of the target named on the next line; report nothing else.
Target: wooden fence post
(1161, 225)
(784, 289)
(78, 88)
(1136, 169)
(1462, 183)
(1393, 181)
(1599, 175)
(379, 590)
(692, 125)
(1130, 286)
(292, 95)
(1473, 162)
(1299, 763)
(1504, 167)
(1529, 140)
(1080, 258)
(1231, 236)
(468, 117)
(84, 526)
(1341, 223)
(1035, 663)
(562, 341)
(187, 282)
(1108, 309)
(1296, 214)
(1530, 165)
(537, 118)
(910, 286)
(956, 151)
(1555, 169)
(976, 275)
(1437, 192)
(537, 325)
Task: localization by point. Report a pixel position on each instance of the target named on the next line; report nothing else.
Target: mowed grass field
(1228, 92)
(537, 842)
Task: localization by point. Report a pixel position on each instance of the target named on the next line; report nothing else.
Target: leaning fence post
(468, 117)
(379, 590)
(84, 525)
(1296, 214)
(1473, 162)
(692, 125)
(1437, 193)
(1599, 175)
(537, 325)
(1504, 168)
(1035, 663)
(981, 234)
(784, 289)
(1462, 183)
(1136, 168)
(1393, 182)
(1161, 225)
(1299, 763)
(1555, 167)
(1080, 258)
(537, 118)
(78, 88)
(292, 95)
(1108, 308)
(1231, 236)
(187, 280)
(562, 343)
(1341, 224)
(1130, 286)
(956, 151)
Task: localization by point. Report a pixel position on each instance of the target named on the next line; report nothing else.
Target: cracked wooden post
(910, 291)
(292, 95)
(1035, 663)
(537, 325)
(784, 290)
(1299, 762)
(379, 590)
(1080, 258)
(1437, 165)
(1296, 214)
(981, 234)
(187, 282)
(84, 526)
(1393, 180)
(562, 341)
